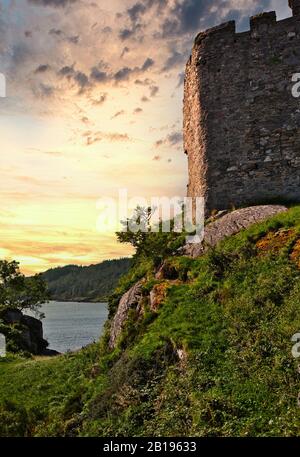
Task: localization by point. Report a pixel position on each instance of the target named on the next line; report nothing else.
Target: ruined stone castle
(241, 121)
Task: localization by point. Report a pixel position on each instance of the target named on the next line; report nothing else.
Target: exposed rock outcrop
(129, 300)
(25, 333)
(231, 224)
(159, 293)
(221, 226)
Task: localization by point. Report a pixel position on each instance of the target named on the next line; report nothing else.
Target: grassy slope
(232, 317)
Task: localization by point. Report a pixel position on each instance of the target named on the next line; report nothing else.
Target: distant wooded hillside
(92, 283)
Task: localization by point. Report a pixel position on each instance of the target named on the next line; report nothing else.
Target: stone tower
(241, 121)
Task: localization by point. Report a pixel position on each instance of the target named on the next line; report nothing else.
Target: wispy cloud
(89, 81)
(112, 137)
(53, 3)
(172, 139)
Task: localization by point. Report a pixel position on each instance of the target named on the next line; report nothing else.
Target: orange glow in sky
(94, 104)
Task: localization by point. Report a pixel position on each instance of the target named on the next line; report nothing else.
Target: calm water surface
(70, 326)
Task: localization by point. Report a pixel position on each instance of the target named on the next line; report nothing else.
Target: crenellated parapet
(259, 24)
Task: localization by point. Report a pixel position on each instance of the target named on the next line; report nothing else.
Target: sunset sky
(94, 104)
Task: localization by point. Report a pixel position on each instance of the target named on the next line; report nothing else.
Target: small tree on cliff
(156, 245)
(19, 292)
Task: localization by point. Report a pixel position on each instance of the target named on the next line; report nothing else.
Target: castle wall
(241, 122)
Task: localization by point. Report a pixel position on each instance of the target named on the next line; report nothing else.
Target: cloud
(154, 91)
(125, 51)
(173, 139)
(73, 39)
(99, 101)
(54, 3)
(40, 151)
(72, 44)
(135, 14)
(67, 71)
(138, 15)
(117, 137)
(145, 82)
(19, 55)
(60, 34)
(174, 60)
(56, 32)
(42, 68)
(139, 9)
(190, 16)
(107, 29)
(181, 77)
(81, 79)
(112, 137)
(147, 64)
(124, 34)
(118, 113)
(78, 77)
(127, 33)
(98, 75)
(124, 73)
(136, 11)
(43, 91)
(188, 13)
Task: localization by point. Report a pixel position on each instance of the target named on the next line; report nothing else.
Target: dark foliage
(91, 283)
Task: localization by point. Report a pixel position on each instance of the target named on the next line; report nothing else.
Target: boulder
(131, 299)
(27, 334)
(231, 224)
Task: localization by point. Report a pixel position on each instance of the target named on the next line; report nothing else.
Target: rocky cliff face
(129, 300)
(24, 333)
(231, 224)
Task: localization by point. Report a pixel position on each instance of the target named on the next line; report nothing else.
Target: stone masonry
(241, 122)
